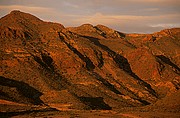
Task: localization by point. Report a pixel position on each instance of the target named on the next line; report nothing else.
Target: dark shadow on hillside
(100, 58)
(46, 61)
(54, 79)
(11, 114)
(122, 63)
(168, 61)
(24, 89)
(95, 103)
(89, 64)
(106, 83)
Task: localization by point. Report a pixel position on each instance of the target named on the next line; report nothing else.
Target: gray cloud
(123, 15)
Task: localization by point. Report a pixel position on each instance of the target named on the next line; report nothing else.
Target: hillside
(49, 67)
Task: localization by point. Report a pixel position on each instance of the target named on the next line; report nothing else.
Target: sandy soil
(22, 111)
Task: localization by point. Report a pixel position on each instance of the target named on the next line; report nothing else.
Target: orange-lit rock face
(85, 67)
(144, 64)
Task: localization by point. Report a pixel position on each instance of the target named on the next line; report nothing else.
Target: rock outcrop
(85, 67)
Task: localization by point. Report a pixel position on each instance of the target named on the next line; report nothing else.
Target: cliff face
(85, 67)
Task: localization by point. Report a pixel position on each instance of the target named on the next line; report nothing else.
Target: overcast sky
(140, 16)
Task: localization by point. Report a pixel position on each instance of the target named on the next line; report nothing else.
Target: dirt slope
(86, 67)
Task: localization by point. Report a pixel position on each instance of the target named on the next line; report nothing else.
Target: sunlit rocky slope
(86, 67)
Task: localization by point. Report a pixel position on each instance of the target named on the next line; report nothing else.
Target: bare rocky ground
(162, 109)
(47, 70)
(31, 112)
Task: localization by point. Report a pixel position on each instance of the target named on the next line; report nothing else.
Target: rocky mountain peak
(45, 66)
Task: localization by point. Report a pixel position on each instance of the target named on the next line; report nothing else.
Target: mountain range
(46, 67)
